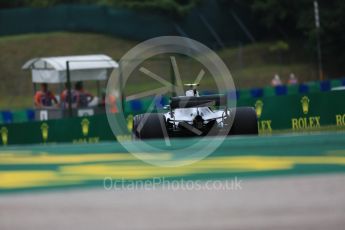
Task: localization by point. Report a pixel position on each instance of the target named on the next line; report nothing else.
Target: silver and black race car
(192, 115)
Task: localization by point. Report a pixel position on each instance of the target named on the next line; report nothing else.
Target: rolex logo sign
(305, 104)
(258, 107)
(85, 130)
(4, 135)
(130, 122)
(265, 126)
(85, 124)
(44, 130)
(305, 122)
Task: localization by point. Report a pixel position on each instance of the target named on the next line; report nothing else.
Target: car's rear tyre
(245, 121)
(153, 126)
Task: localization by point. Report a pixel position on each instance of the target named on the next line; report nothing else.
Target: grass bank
(251, 65)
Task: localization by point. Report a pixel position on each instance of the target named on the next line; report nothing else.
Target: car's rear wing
(202, 101)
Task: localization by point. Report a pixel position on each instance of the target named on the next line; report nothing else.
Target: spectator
(292, 79)
(112, 104)
(111, 101)
(83, 97)
(44, 98)
(65, 99)
(276, 80)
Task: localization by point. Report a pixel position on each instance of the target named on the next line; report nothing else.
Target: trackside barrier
(7, 116)
(77, 130)
(296, 113)
(303, 88)
(299, 112)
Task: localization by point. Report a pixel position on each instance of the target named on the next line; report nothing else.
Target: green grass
(251, 66)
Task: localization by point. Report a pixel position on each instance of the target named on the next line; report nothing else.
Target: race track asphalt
(307, 202)
(286, 182)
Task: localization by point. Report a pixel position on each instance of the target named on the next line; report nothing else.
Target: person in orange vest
(45, 98)
(112, 104)
(65, 99)
(83, 97)
(110, 100)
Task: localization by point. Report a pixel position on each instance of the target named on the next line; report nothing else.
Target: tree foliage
(295, 20)
(279, 19)
(172, 7)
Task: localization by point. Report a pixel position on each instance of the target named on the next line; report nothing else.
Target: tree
(295, 20)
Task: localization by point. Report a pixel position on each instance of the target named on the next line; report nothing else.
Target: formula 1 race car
(192, 115)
